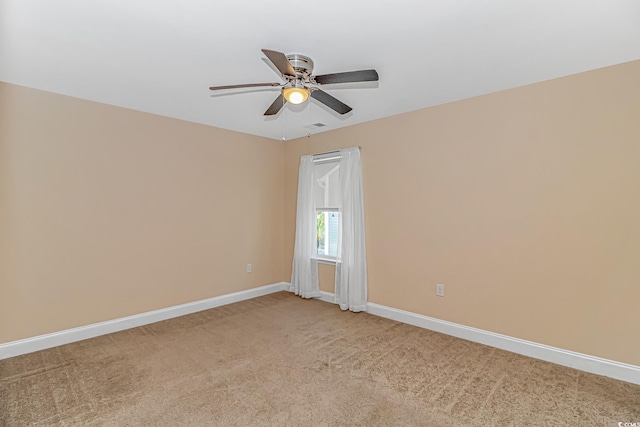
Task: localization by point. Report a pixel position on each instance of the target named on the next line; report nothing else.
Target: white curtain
(304, 276)
(351, 263)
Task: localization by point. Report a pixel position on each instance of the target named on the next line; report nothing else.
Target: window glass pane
(328, 225)
(326, 189)
(320, 233)
(332, 231)
(327, 199)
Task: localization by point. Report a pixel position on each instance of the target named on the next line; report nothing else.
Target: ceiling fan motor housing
(303, 65)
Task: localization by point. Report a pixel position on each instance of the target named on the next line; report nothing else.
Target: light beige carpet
(283, 361)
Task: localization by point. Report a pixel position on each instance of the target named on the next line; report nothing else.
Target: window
(327, 197)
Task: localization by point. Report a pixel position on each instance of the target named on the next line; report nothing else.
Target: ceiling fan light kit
(295, 95)
(299, 82)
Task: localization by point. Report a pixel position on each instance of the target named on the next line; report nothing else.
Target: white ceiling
(161, 56)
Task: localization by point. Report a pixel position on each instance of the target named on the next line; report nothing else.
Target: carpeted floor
(283, 361)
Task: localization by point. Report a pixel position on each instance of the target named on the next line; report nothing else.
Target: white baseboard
(583, 362)
(327, 297)
(41, 342)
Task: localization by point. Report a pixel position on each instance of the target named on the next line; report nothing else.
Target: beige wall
(107, 212)
(524, 203)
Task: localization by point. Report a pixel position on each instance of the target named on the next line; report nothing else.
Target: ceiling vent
(315, 125)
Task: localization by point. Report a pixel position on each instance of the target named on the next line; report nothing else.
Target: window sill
(327, 261)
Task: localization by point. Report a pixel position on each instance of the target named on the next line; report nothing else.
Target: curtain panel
(351, 262)
(304, 275)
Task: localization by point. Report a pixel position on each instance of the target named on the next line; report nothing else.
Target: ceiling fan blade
(280, 61)
(243, 86)
(348, 77)
(330, 101)
(275, 107)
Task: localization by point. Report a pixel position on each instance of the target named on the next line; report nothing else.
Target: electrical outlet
(248, 268)
(440, 290)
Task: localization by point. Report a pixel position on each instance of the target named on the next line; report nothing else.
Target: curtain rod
(332, 152)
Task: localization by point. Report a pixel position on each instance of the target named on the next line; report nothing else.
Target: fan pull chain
(283, 117)
(309, 117)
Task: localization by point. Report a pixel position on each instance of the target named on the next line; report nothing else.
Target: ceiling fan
(299, 82)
